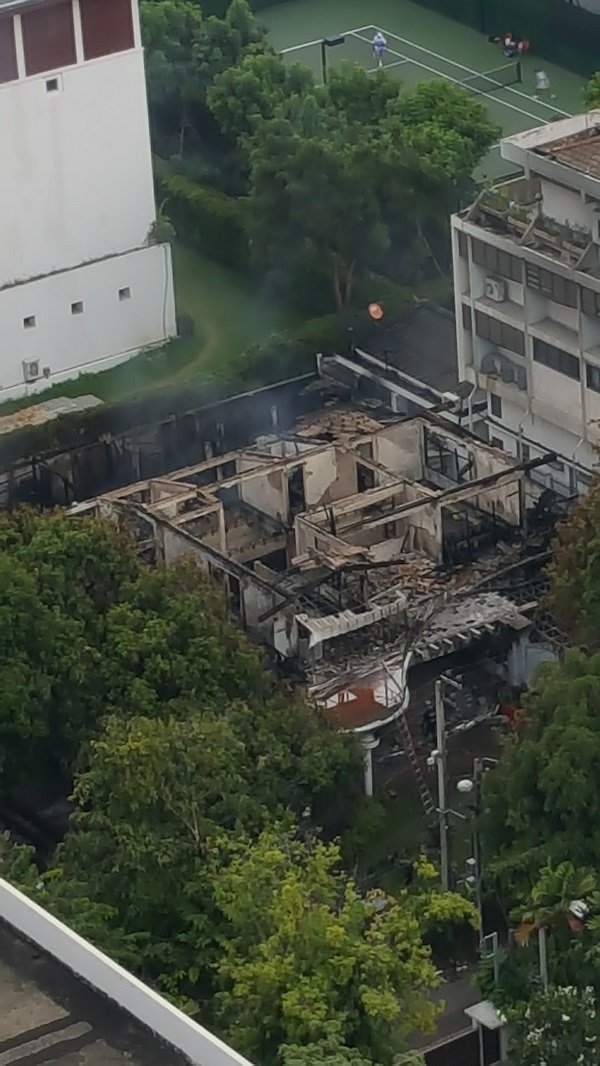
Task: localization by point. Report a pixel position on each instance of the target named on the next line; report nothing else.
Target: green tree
(572, 944)
(251, 92)
(357, 148)
(304, 949)
(542, 799)
(592, 92)
(66, 898)
(223, 42)
(574, 596)
(59, 578)
(302, 193)
(170, 32)
(555, 1027)
(443, 120)
(358, 99)
(330, 1051)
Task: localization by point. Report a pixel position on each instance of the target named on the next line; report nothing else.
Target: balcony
(547, 329)
(501, 368)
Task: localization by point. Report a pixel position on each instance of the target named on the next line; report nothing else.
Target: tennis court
(422, 44)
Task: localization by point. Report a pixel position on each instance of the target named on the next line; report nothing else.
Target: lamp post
(465, 786)
(438, 759)
(329, 42)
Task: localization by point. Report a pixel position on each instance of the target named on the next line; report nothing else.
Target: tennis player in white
(542, 85)
(379, 47)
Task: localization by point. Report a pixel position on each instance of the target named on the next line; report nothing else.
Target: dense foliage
(543, 799)
(555, 1027)
(575, 572)
(540, 821)
(199, 784)
(304, 158)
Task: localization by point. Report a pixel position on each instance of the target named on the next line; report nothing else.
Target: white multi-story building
(527, 289)
(81, 285)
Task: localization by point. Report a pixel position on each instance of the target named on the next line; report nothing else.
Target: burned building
(353, 547)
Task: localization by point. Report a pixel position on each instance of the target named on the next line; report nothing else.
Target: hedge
(204, 218)
(280, 356)
(292, 351)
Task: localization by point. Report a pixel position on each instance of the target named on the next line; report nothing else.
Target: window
(77, 307)
(365, 478)
(389, 530)
(8, 51)
(48, 37)
(107, 27)
(125, 294)
(496, 261)
(556, 359)
(466, 318)
(552, 285)
(592, 377)
(492, 329)
(497, 443)
(29, 322)
(590, 302)
(495, 406)
(525, 453)
(52, 85)
(463, 245)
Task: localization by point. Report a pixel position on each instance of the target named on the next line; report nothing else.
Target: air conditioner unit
(490, 365)
(495, 289)
(31, 370)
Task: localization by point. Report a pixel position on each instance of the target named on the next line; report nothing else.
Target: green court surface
(422, 44)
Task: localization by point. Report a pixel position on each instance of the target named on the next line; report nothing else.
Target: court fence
(557, 30)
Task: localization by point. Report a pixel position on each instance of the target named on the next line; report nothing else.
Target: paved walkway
(456, 994)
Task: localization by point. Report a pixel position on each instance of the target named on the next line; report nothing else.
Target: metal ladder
(424, 793)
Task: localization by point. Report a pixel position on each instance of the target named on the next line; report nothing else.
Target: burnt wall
(118, 451)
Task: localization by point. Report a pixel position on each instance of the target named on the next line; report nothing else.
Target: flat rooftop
(421, 343)
(48, 1015)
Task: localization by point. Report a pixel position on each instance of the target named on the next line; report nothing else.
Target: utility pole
(543, 946)
(478, 781)
(440, 726)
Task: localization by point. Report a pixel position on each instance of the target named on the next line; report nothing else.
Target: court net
(490, 80)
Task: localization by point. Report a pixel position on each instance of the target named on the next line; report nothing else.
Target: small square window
(497, 443)
(52, 85)
(125, 294)
(77, 307)
(29, 322)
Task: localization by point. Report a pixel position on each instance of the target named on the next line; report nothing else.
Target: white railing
(111, 980)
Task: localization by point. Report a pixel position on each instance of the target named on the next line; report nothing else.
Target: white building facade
(527, 291)
(82, 287)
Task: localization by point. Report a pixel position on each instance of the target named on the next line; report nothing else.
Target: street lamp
(465, 786)
(329, 42)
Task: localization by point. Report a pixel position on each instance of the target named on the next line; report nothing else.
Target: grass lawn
(230, 314)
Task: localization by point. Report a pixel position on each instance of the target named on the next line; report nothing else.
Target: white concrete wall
(76, 173)
(268, 493)
(399, 448)
(566, 205)
(107, 331)
(104, 975)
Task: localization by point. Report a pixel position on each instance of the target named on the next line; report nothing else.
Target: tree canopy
(555, 1027)
(541, 801)
(575, 571)
(196, 854)
(307, 156)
